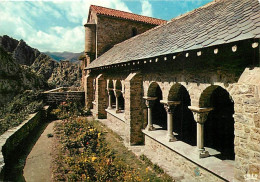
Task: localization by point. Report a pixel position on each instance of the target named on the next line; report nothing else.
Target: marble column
(170, 107)
(149, 101)
(200, 116)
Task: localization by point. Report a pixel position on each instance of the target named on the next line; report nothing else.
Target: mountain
(15, 78)
(63, 73)
(72, 57)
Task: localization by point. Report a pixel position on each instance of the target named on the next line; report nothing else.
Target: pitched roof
(125, 15)
(219, 22)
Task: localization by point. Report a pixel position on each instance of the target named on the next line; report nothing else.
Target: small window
(134, 32)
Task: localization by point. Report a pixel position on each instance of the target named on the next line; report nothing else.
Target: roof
(125, 15)
(219, 22)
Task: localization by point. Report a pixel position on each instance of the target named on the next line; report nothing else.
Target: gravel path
(38, 162)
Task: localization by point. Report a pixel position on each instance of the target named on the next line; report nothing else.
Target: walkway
(38, 162)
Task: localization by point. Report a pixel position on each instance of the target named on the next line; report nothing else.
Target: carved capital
(117, 92)
(110, 91)
(149, 101)
(200, 114)
(170, 105)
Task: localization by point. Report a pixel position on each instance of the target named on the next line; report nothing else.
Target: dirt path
(38, 162)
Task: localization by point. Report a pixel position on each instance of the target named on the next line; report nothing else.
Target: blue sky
(58, 25)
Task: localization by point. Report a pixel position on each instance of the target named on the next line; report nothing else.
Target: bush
(21, 106)
(86, 156)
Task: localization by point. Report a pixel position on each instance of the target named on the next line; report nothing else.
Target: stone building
(188, 89)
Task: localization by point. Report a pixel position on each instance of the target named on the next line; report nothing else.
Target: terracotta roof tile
(122, 14)
(219, 22)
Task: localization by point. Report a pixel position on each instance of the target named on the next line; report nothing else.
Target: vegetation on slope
(85, 150)
(19, 108)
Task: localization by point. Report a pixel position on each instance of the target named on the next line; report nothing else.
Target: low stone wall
(63, 94)
(12, 138)
(193, 172)
(121, 124)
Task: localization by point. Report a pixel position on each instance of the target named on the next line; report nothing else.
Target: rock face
(57, 74)
(15, 78)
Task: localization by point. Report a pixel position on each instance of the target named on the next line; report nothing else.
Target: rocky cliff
(56, 73)
(15, 78)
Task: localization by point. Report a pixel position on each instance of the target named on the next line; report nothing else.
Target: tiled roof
(219, 22)
(126, 15)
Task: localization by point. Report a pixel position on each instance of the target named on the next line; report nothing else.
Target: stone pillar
(149, 101)
(170, 107)
(110, 99)
(101, 97)
(200, 116)
(117, 94)
(89, 91)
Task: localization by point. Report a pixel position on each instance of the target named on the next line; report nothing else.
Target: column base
(109, 108)
(171, 138)
(118, 111)
(149, 128)
(203, 153)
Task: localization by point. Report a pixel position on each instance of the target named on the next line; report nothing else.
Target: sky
(57, 25)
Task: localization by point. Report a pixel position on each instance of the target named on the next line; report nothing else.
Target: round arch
(118, 85)
(219, 126)
(152, 89)
(158, 111)
(183, 120)
(110, 84)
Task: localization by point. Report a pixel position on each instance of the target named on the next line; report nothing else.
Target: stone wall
(12, 139)
(111, 31)
(247, 124)
(59, 95)
(192, 172)
(134, 108)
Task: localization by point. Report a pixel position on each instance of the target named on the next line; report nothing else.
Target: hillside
(70, 56)
(55, 73)
(15, 78)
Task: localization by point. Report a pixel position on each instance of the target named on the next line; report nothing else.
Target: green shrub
(21, 106)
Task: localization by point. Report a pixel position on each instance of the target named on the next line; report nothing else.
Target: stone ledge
(120, 116)
(212, 164)
(9, 135)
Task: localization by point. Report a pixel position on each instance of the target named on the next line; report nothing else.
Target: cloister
(187, 90)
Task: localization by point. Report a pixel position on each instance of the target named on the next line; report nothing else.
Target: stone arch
(219, 126)
(183, 121)
(110, 84)
(152, 89)
(111, 92)
(159, 114)
(118, 85)
(119, 95)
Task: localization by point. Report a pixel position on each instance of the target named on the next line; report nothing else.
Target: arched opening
(184, 124)
(112, 93)
(121, 100)
(134, 32)
(219, 126)
(159, 115)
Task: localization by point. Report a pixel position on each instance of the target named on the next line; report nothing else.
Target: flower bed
(83, 154)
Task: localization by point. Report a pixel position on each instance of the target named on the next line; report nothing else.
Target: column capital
(117, 92)
(200, 114)
(149, 101)
(110, 91)
(170, 105)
